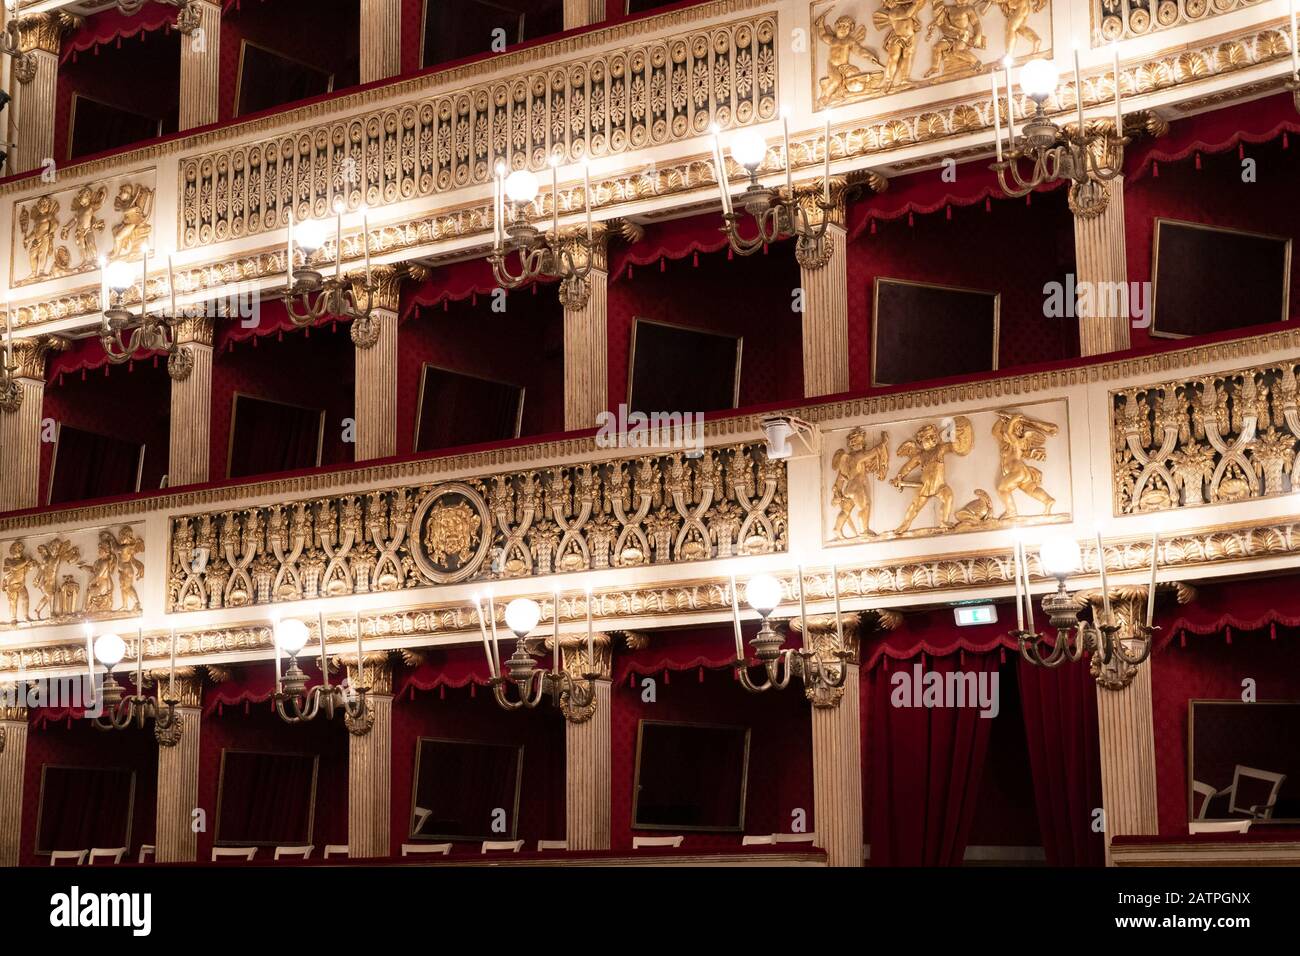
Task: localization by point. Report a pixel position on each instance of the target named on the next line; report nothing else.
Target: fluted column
(586, 338)
(199, 22)
(375, 384)
(823, 271)
(583, 13)
(20, 425)
(1102, 266)
(37, 72)
(1126, 732)
(837, 747)
(13, 757)
(178, 773)
(190, 369)
(370, 765)
(381, 39)
(588, 777)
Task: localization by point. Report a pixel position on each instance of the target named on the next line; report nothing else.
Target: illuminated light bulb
(522, 615)
(763, 592)
(120, 276)
(521, 186)
(1038, 78)
(109, 649)
(291, 636)
(309, 235)
(1060, 555)
(749, 149)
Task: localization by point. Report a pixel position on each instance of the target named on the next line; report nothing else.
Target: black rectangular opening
(460, 785)
(84, 808)
(459, 409)
(690, 777)
(1244, 761)
(457, 29)
(268, 78)
(99, 126)
(267, 437)
(266, 799)
(89, 465)
(661, 353)
(921, 331)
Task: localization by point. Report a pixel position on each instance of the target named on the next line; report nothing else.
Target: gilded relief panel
(928, 476)
(78, 576)
(66, 232)
(868, 48)
(654, 509)
(1121, 19)
(1214, 439)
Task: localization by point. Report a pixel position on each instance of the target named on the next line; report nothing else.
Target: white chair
(1219, 826)
(233, 853)
(335, 849)
(1208, 793)
(1256, 811)
(673, 841)
(543, 845)
(107, 856)
(769, 840)
(502, 846)
(68, 857)
(426, 849)
(293, 852)
(147, 852)
(795, 837)
(421, 817)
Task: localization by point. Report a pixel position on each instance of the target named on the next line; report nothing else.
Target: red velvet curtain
(84, 807)
(266, 798)
(1060, 713)
(269, 437)
(111, 25)
(89, 465)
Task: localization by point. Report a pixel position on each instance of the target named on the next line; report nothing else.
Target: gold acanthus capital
(377, 671)
(194, 330)
(44, 32)
(573, 243)
(1128, 604)
(10, 710)
(811, 198)
(574, 658)
(30, 355)
(187, 687)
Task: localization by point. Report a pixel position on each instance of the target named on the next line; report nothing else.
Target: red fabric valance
(111, 25)
(708, 648)
(673, 240)
(87, 355)
(935, 633)
(252, 683)
(443, 667)
(272, 319)
(1252, 606)
(455, 283)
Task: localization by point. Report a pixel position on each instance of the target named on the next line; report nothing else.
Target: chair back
(68, 857)
(426, 849)
(1259, 811)
(107, 856)
(293, 852)
(335, 849)
(502, 846)
(552, 845)
(769, 840)
(673, 841)
(1219, 826)
(233, 853)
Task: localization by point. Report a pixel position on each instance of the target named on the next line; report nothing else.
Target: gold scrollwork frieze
(1213, 439)
(653, 509)
(1124, 19)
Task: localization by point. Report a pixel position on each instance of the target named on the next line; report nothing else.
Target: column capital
(14, 713)
(197, 330)
(824, 640)
(385, 296)
(190, 15)
(188, 687)
(377, 674)
(43, 32)
(576, 663)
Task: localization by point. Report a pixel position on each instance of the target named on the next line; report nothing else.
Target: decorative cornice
(926, 579)
(30, 355)
(195, 330)
(43, 32)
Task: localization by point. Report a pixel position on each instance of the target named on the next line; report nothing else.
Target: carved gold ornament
(134, 204)
(924, 456)
(851, 488)
(1022, 440)
(1122, 19)
(108, 584)
(453, 533)
(1218, 438)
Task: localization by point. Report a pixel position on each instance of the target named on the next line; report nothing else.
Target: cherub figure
(16, 567)
(1022, 439)
(49, 557)
(851, 490)
(925, 453)
(131, 234)
(1018, 13)
(843, 79)
(129, 568)
(960, 32)
(99, 592)
(39, 223)
(899, 21)
(84, 224)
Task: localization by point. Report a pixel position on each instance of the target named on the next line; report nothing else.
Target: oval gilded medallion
(453, 532)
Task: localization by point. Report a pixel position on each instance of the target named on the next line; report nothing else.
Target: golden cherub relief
(869, 48)
(107, 580)
(947, 475)
(59, 234)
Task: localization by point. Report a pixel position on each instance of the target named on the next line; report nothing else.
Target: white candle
(586, 196)
(90, 661)
(324, 664)
(555, 199)
(144, 277)
(1295, 46)
(1105, 587)
(171, 668)
(496, 209)
(288, 256)
(789, 170)
(139, 661)
(1029, 598)
(735, 618)
(487, 648)
(360, 649)
(9, 333)
(591, 640)
(997, 116)
(171, 286)
(723, 185)
(275, 641)
(496, 639)
(1020, 596)
(338, 242)
(803, 610)
(1119, 109)
(839, 623)
(1011, 107)
(826, 167)
(103, 285)
(555, 627)
(1151, 591)
(1078, 90)
(365, 239)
